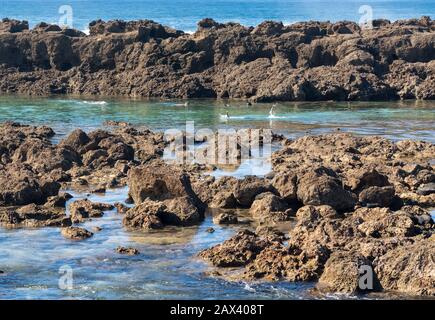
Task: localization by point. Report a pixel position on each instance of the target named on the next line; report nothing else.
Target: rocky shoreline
(352, 202)
(269, 62)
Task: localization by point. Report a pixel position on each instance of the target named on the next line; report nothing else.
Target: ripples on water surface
(167, 267)
(394, 120)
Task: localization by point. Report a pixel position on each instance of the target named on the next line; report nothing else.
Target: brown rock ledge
(270, 62)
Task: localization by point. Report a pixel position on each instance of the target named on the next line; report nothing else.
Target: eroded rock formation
(302, 61)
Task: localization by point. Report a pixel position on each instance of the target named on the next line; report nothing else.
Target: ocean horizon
(184, 14)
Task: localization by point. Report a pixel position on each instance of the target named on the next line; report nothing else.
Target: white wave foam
(98, 103)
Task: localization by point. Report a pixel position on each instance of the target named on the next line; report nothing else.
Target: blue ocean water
(184, 14)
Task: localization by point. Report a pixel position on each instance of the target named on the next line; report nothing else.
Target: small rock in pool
(127, 251)
(225, 218)
(2, 272)
(426, 189)
(97, 229)
(121, 208)
(129, 200)
(210, 230)
(76, 233)
(99, 190)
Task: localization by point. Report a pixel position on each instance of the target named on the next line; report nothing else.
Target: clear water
(393, 120)
(167, 267)
(184, 14)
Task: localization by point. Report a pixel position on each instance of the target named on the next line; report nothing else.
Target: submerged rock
(75, 233)
(226, 218)
(127, 251)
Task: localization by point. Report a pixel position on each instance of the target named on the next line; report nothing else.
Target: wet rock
(145, 216)
(13, 26)
(408, 269)
(377, 196)
(418, 215)
(226, 218)
(120, 208)
(235, 252)
(268, 207)
(33, 216)
(248, 188)
(114, 123)
(342, 273)
(127, 251)
(224, 200)
(181, 211)
(314, 189)
(159, 181)
(426, 189)
(21, 186)
(317, 60)
(100, 189)
(58, 201)
(81, 210)
(97, 229)
(75, 233)
(210, 230)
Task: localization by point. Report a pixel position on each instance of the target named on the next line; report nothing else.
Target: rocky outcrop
(359, 217)
(163, 195)
(409, 269)
(127, 251)
(303, 61)
(75, 233)
(33, 216)
(81, 210)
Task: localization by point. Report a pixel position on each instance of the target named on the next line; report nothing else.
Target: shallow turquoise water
(394, 120)
(184, 14)
(167, 267)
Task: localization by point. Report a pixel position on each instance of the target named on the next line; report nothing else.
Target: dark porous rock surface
(76, 233)
(226, 218)
(303, 61)
(81, 210)
(33, 216)
(127, 251)
(358, 207)
(333, 203)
